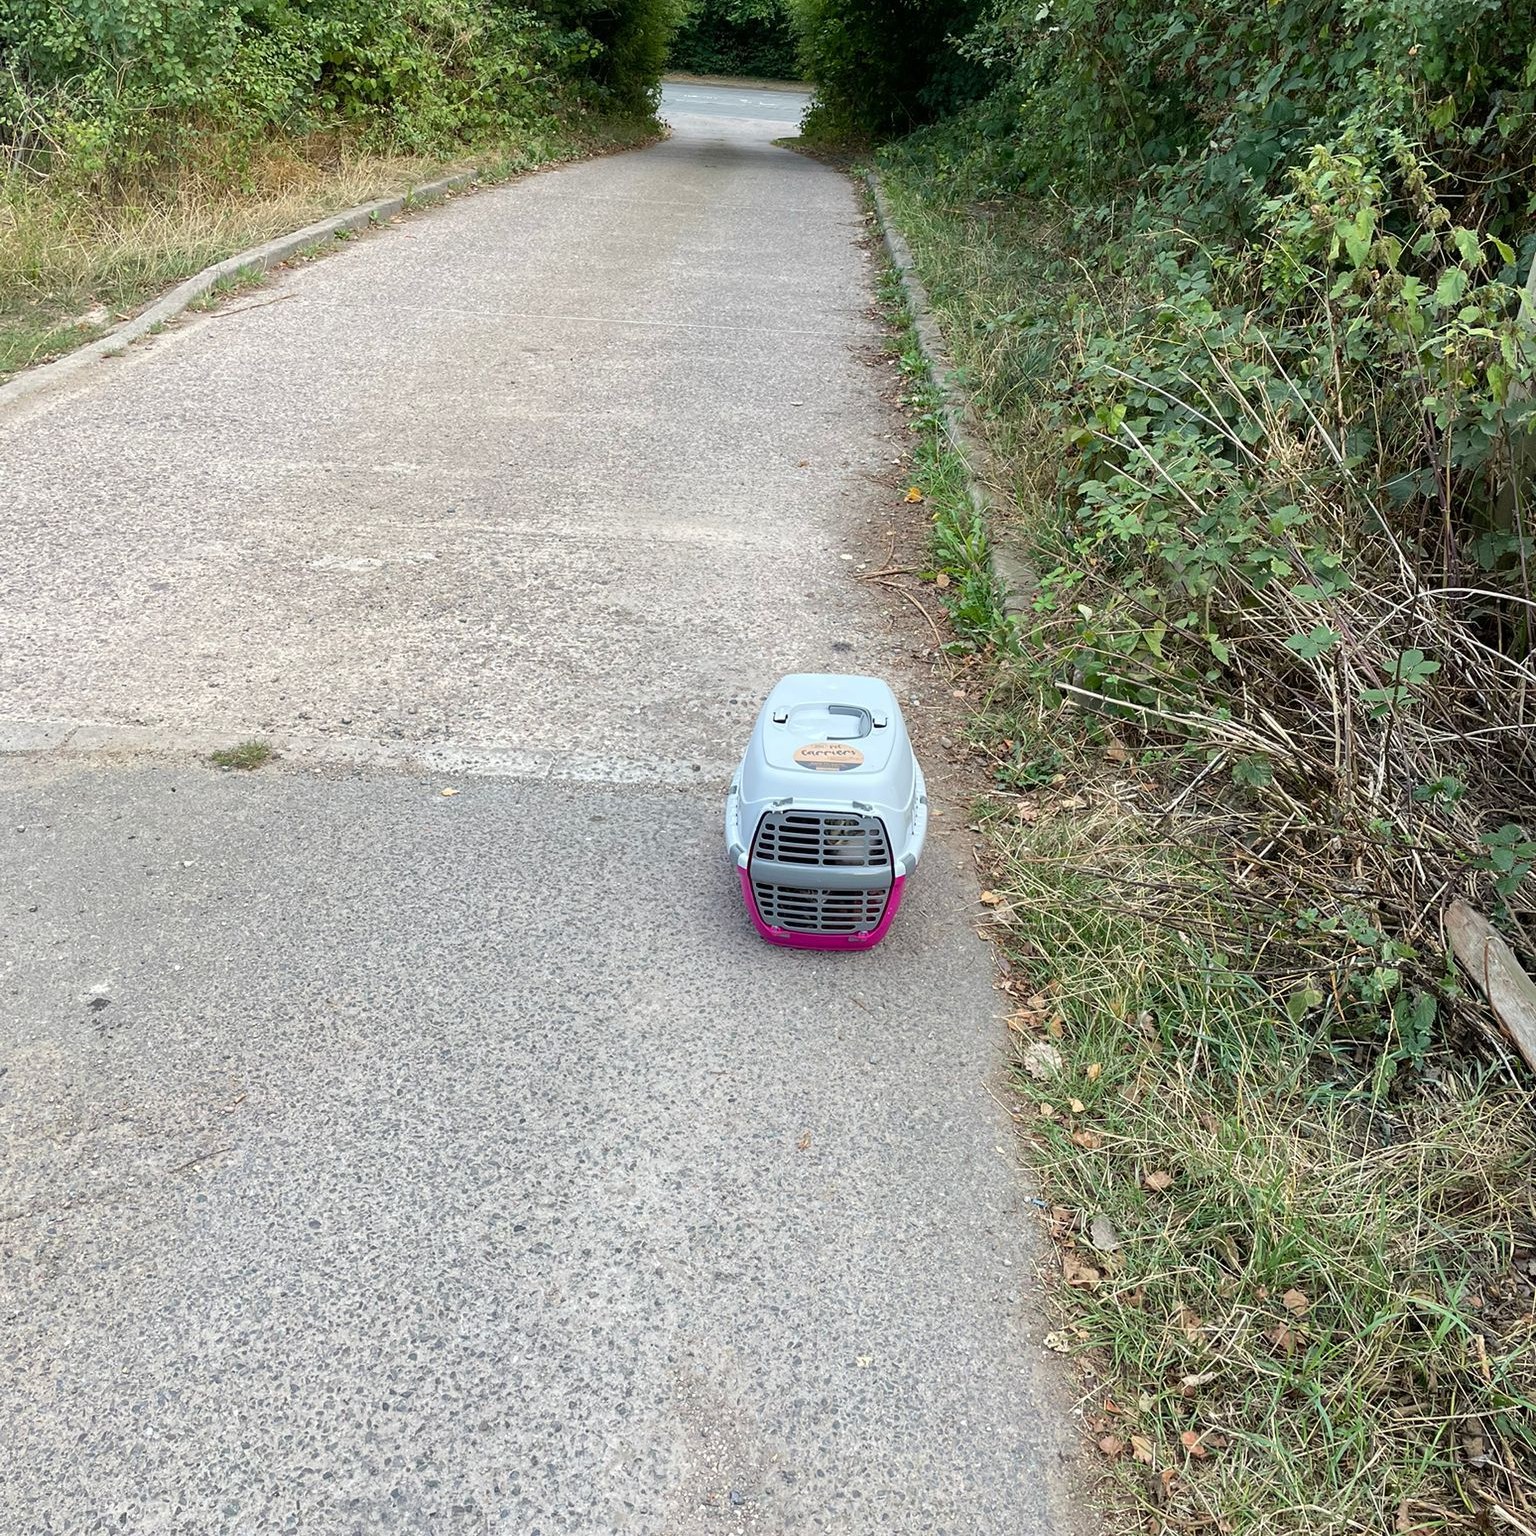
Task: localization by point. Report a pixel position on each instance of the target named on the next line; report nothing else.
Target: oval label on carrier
(828, 756)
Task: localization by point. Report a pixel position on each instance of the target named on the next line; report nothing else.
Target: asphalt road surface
(381, 1159)
(707, 105)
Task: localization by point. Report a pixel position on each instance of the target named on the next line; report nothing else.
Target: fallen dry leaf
(1190, 1440)
(1047, 1111)
(1158, 1181)
(1078, 1273)
(1295, 1302)
(804, 1144)
(447, 792)
(1063, 1220)
(1041, 1061)
(914, 493)
(1076, 1106)
(990, 898)
(1116, 752)
(1190, 1324)
(1094, 1071)
(1031, 1015)
(1285, 1339)
(1141, 1448)
(1112, 1445)
(1088, 1139)
(941, 580)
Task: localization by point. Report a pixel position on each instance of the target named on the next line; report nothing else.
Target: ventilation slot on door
(798, 910)
(827, 839)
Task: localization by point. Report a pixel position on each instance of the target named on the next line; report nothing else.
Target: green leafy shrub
(737, 37)
(623, 44)
(1279, 338)
(881, 67)
(122, 87)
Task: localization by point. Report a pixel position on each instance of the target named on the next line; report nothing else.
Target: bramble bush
(1279, 372)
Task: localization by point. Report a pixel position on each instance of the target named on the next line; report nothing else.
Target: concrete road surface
(379, 1159)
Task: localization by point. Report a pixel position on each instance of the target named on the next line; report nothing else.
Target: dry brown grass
(1301, 1306)
(73, 260)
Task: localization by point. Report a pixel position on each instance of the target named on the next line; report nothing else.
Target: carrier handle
(863, 716)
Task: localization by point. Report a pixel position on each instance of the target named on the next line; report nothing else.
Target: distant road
(733, 103)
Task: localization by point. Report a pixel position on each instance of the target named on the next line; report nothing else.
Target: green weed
(960, 545)
(245, 755)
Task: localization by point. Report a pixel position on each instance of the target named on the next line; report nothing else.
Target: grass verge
(960, 545)
(1296, 1267)
(73, 264)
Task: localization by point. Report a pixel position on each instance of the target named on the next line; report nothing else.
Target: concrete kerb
(1018, 579)
(259, 259)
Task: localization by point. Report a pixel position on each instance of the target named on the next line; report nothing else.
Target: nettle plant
(1292, 535)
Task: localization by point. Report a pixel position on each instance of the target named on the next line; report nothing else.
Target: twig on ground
(938, 639)
(240, 309)
(202, 1157)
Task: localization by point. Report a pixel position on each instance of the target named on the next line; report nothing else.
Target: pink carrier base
(843, 941)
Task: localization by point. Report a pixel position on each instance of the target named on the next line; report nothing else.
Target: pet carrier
(826, 816)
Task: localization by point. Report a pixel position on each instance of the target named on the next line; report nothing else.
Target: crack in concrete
(448, 757)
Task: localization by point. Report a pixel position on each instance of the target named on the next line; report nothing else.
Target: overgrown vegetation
(1237, 292)
(752, 38)
(140, 139)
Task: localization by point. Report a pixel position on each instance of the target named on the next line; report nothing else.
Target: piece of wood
(1492, 965)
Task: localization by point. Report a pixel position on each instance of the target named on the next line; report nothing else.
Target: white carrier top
(825, 741)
